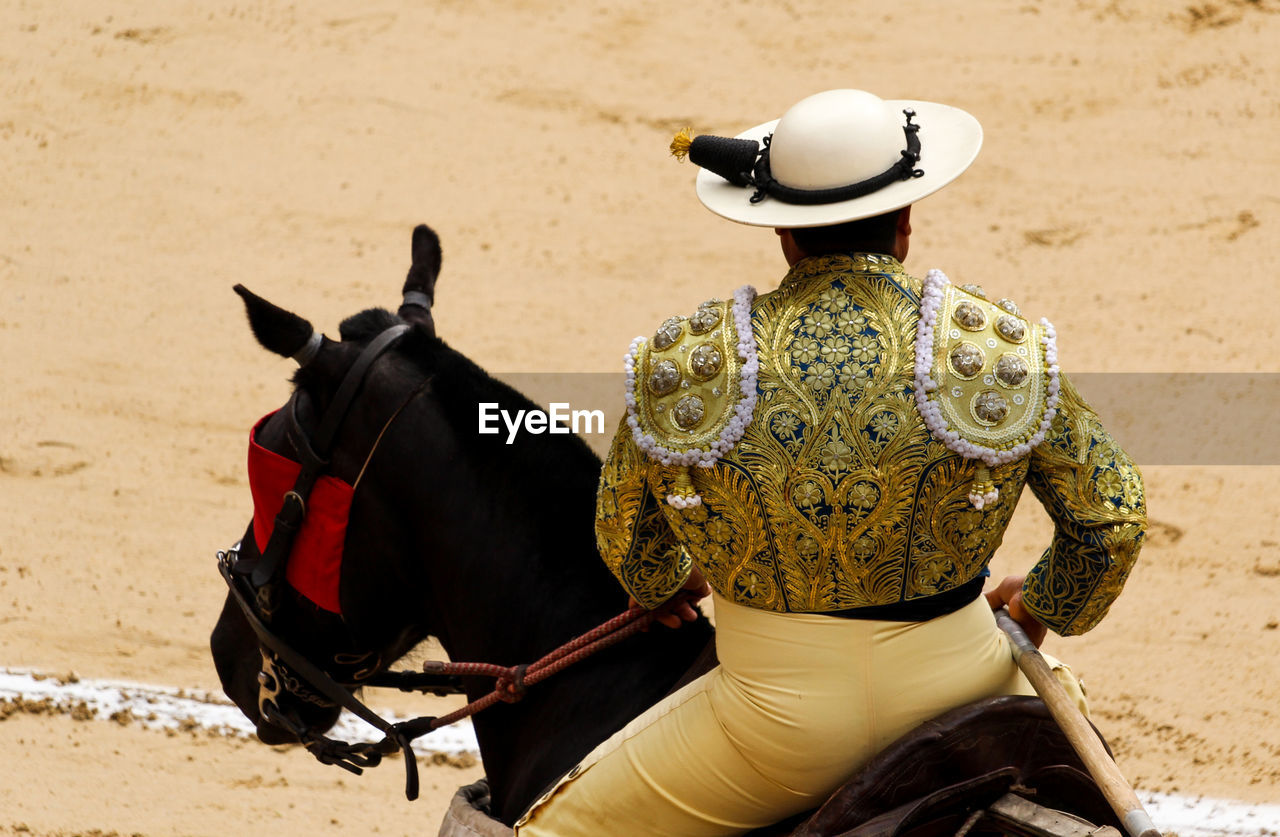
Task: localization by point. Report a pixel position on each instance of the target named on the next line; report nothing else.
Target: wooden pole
(1078, 731)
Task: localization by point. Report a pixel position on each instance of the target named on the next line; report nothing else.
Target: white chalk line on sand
(165, 707)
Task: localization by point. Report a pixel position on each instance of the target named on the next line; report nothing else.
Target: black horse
(489, 547)
(484, 545)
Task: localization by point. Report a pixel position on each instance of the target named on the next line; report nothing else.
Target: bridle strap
(314, 455)
(346, 394)
(321, 681)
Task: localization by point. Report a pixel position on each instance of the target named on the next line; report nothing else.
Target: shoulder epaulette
(691, 388)
(986, 378)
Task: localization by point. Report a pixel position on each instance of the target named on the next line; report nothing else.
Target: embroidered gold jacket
(837, 496)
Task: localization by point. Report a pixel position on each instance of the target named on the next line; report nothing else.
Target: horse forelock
(368, 324)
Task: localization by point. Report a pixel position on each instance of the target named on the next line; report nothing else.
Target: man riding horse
(836, 462)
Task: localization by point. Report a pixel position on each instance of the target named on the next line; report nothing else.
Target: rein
(513, 681)
(438, 677)
(255, 585)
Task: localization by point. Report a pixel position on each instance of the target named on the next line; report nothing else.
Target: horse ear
(420, 285)
(278, 330)
(426, 261)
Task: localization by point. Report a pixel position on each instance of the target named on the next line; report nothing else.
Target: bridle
(257, 585)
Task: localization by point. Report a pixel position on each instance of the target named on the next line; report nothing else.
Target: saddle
(936, 777)
(996, 766)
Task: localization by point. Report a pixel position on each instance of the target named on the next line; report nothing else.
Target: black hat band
(743, 163)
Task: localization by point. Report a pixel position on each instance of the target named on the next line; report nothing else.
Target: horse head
(363, 619)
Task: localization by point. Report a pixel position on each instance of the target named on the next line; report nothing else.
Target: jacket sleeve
(635, 539)
(1093, 492)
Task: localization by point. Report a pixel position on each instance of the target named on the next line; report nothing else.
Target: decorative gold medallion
(664, 378)
(668, 333)
(689, 412)
(705, 361)
(990, 407)
(966, 360)
(1011, 328)
(707, 317)
(969, 316)
(1011, 370)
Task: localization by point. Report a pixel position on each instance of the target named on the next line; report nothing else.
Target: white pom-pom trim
(680, 502)
(979, 500)
(743, 411)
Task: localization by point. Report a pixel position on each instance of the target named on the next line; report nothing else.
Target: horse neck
(526, 745)
(527, 580)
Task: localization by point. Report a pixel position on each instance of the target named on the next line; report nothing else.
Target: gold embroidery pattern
(837, 496)
(635, 540)
(1094, 493)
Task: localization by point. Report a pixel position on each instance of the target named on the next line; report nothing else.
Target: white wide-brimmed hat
(836, 156)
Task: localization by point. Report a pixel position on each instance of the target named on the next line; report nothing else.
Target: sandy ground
(153, 154)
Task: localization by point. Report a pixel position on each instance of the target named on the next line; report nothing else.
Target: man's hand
(683, 611)
(1009, 592)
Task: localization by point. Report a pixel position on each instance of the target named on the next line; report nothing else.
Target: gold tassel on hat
(680, 144)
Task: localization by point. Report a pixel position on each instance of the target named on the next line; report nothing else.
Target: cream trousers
(798, 703)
